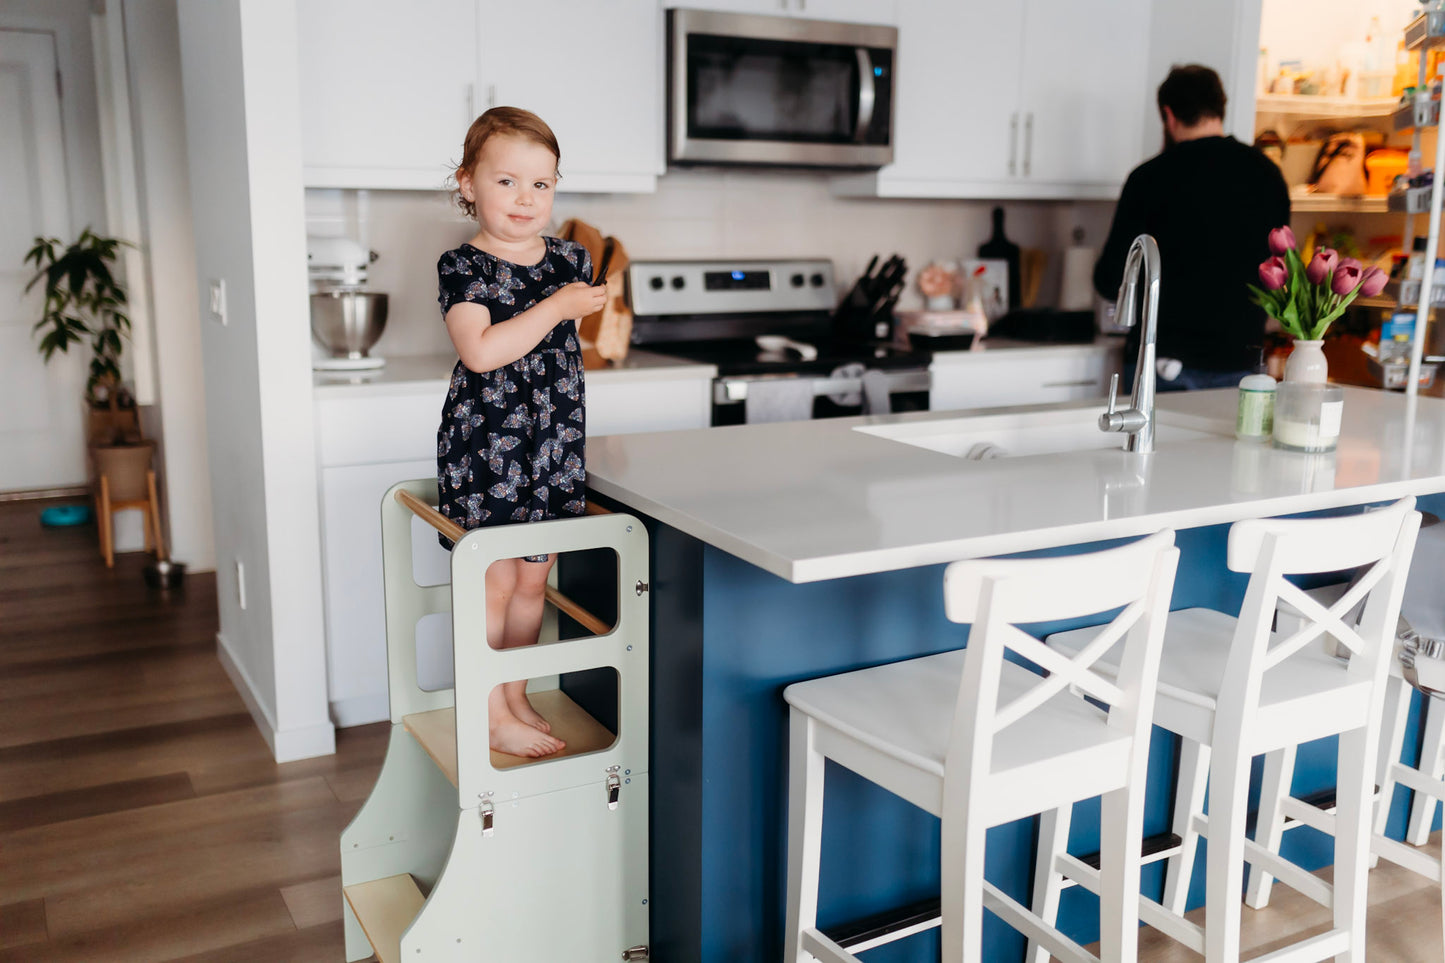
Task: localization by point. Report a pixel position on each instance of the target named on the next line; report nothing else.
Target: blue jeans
(1189, 379)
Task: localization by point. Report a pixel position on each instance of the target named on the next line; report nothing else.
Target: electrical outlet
(218, 300)
(241, 584)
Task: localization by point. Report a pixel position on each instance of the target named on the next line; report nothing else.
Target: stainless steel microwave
(754, 89)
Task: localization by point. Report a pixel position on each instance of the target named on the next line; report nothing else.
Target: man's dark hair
(1192, 93)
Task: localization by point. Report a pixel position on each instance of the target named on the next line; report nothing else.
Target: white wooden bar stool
(1233, 689)
(1423, 607)
(979, 740)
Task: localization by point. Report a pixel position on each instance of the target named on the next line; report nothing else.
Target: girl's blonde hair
(498, 121)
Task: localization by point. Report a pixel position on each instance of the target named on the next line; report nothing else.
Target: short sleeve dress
(511, 443)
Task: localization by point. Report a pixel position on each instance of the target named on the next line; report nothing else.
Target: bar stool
(1232, 689)
(979, 740)
(1279, 812)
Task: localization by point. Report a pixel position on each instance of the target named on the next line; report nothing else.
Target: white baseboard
(361, 710)
(287, 745)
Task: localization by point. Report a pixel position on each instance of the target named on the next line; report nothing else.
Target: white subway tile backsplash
(693, 214)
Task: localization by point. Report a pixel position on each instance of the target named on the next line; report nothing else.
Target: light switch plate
(218, 300)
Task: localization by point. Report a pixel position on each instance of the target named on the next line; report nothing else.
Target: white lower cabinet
(1021, 376)
(367, 441)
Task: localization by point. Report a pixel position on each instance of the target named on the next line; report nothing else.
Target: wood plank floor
(143, 819)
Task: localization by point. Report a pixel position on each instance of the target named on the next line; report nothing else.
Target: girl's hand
(578, 299)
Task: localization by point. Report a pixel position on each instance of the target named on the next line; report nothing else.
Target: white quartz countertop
(816, 500)
(431, 374)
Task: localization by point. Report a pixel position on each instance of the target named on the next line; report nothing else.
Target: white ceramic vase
(1306, 364)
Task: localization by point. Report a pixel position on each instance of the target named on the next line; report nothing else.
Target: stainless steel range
(769, 328)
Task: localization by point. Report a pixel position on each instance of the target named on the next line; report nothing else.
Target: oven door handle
(867, 95)
(727, 391)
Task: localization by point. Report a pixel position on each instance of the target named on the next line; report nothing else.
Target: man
(1210, 202)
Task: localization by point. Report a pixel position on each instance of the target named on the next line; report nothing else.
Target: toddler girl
(510, 445)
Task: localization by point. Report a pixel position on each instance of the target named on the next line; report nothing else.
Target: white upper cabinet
(596, 79)
(389, 90)
(386, 91)
(1028, 99)
(845, 11)
(1084, 118)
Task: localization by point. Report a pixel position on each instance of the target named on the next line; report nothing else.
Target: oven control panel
(661, 288)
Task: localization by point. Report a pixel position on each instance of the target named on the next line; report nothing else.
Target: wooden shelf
(385, 908)
(1303, 105)
(1339, 203)
(436, 731)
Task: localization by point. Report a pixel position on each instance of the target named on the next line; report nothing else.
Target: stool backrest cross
(1361, 622)
(995, 596)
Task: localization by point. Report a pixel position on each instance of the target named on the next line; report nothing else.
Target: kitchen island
(790, 551)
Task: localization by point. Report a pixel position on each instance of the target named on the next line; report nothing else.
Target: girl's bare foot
(522, 708)
(516, 738)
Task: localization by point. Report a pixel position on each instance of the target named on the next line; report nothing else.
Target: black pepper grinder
(1001, 248)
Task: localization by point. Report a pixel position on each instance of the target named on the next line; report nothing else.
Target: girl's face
(512, 186)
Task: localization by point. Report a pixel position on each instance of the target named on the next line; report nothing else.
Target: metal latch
(486, 811)
(642, 586)
(640, 952)
(614, 787)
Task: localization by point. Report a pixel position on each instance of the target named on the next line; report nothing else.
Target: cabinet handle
(1081, 383)
(471, 103)
(1013, 143)
(1028, 143)
(491, 96)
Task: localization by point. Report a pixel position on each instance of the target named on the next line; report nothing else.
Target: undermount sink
(1011, 434)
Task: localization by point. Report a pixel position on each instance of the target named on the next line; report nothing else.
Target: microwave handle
(867, 94)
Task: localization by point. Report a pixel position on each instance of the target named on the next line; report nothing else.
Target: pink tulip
(1321, 265)
(1373, 282)
(1347, 277)
(1281, 239)
(1273, 273)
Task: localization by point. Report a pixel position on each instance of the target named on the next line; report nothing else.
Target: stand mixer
(346, 319)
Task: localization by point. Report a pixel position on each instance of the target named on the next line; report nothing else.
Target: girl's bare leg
(522, 626)
(507, 732)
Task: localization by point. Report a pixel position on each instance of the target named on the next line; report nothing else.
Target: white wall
(157, 111)
(243, 126)
(693, 214)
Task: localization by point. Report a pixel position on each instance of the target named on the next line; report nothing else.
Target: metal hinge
(486, 811)
(614, 786)
(640, 952)
(642, 586)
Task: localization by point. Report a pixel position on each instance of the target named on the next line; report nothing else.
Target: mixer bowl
(348, 323)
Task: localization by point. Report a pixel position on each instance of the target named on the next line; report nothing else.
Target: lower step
(385, 908)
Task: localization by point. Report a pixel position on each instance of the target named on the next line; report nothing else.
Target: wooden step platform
(385, 908)
(436, 731)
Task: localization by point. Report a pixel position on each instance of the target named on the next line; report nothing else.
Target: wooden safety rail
(455, 532)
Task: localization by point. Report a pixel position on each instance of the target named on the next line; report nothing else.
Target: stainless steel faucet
(1138, 418)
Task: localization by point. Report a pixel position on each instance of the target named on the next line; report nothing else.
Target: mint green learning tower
(461, 854)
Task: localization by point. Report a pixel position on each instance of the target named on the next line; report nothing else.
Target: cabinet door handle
(471, 103)
(491, 96)
(1028, 143)
(1013, 143)
(1081, 383)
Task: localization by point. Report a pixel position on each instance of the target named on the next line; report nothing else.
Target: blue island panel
(729, 639)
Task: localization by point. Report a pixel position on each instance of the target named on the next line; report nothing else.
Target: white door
(42, 437)
(598, 84)
(1083, 117)
(957, 99)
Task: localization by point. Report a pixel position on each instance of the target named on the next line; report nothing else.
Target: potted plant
(84, 302)
(1306, 298)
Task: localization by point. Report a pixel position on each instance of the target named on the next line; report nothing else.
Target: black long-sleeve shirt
(1210, 203)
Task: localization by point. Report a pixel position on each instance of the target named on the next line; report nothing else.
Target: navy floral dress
(511, 443)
